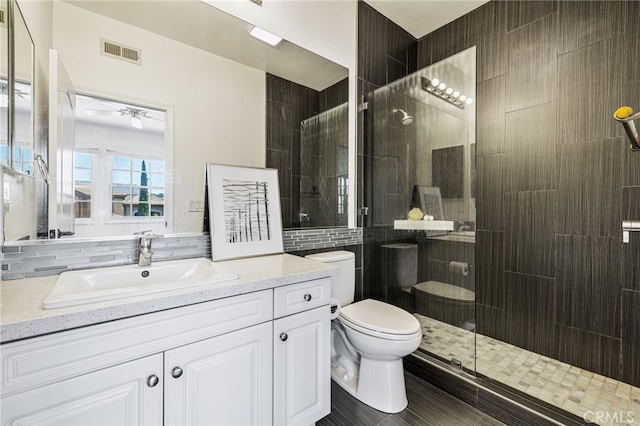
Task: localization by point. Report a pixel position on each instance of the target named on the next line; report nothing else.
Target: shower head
(626, 116)
(405, 119)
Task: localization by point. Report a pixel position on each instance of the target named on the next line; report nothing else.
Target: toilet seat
(380, 319)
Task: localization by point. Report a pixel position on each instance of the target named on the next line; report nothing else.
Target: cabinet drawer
(42, 360)
(300, 297)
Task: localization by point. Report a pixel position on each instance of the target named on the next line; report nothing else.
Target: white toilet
(368, 340)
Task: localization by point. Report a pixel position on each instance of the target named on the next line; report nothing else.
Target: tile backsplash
(41, 258)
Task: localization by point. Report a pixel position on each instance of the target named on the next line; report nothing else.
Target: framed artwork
(429, 200)
(244, 209)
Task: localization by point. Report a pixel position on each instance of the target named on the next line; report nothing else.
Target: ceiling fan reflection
(136, 115)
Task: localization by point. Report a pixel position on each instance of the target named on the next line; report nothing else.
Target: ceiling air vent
(120, 51)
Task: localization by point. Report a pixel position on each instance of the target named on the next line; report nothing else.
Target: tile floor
(428, 406)
(597, 398)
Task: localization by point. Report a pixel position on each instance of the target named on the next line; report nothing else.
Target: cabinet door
(125, 394)
(301, 369)
(225, 380)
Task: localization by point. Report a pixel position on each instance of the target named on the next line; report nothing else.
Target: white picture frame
(244, 211)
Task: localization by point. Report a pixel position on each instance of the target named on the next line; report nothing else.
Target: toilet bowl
(445, 302)
(369, 339)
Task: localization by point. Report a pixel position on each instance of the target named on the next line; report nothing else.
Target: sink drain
(145, 273)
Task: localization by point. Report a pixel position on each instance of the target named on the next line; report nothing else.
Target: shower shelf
(426, 225)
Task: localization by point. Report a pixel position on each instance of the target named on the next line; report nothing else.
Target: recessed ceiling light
(265, 36)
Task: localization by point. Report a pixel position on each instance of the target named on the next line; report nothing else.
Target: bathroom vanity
(251, 351)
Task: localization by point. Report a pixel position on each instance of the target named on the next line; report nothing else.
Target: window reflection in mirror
(119, 167)
(4, 118)
(23, 139)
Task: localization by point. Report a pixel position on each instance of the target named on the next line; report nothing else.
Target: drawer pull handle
(152, 380)
(176, 372)
(307, 297)
(283, 337)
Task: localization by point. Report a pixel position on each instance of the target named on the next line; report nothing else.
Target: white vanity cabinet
(208, 363)
(118, 395)
(225, 380)
(301, 353)
(123, 372)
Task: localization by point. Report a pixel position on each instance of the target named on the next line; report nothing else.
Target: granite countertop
(22, 314)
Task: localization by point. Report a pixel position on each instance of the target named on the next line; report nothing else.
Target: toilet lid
(381, 317)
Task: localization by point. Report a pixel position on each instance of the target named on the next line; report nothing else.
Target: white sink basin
(97, 285)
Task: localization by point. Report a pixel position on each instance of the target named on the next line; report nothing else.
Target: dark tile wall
(334, 95)
(555, 179)
(435, 258)
(386, 53)
(288, 104)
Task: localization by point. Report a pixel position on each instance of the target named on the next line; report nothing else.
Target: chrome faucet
(145, 247)
(304, 217)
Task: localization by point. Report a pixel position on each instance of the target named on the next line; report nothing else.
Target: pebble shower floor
(593, 397)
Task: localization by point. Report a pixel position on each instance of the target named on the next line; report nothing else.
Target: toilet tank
(400, 262)
(343, 285)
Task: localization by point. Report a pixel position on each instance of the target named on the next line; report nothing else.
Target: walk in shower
(420, 152)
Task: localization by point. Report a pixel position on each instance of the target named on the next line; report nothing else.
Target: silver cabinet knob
(283, 337)
(152, 380)
(307, 297)
(176, 372)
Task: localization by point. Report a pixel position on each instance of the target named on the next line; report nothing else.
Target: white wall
(218, 105)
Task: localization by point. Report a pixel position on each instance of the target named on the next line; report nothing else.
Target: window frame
(133, 219)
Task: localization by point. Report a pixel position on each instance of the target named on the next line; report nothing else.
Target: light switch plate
(196, 206)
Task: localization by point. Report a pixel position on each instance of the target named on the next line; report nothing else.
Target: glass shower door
(420, 153)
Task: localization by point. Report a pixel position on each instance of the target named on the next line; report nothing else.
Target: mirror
(4, 84)
(216, 105)
(16, 128)
(23, 99)
(16, 81)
